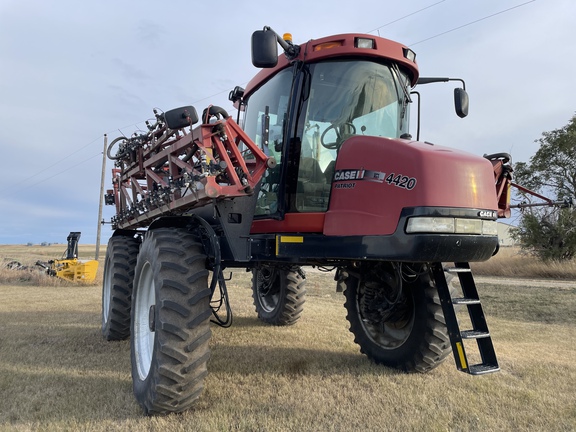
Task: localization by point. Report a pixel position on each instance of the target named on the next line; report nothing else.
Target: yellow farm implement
(70, 267)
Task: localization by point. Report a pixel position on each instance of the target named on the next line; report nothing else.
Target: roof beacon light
(287, 37)
(364, 43)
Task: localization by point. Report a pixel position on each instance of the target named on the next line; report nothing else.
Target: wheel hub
(152, 318)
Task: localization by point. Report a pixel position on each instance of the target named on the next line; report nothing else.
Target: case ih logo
(347, 175)
(488, 214)
(361, 174)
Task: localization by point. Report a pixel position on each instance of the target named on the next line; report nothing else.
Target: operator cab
(302, 115)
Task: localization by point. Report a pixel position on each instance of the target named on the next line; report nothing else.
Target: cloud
(151, 33)
(129, 71)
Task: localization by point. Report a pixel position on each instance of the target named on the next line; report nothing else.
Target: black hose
(217, 276)
(213, 111)
(109, 151)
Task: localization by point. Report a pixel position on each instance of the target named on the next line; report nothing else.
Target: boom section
(169, 172)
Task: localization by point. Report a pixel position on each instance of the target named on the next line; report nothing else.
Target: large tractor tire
(170, 322)
(396, 322)
(119, 268)
(279, 294)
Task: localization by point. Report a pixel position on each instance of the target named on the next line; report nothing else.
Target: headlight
(409, 54)
(430, 225)
(364, 43)
(468, 226)
(450, 225)
(489, 228)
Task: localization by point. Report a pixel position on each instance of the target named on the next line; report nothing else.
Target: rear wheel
(279, 293)
(396, 317)
(119, 266)
(170, 322)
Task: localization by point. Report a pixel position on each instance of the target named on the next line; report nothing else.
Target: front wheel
(279, 293)
(170, 322)
(396, 316)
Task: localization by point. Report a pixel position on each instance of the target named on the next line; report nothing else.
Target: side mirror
(179, 118)
(461, 102)
(264, 49)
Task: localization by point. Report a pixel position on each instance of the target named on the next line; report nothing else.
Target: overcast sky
(72, 71)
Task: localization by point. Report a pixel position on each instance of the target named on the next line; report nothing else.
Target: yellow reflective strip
(287, 239)
(291, 239)
(460, 349)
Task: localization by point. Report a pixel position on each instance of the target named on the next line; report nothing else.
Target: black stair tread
(469, 298)
(465, 301)
(474, 334)
(480, 369)
(457, 270)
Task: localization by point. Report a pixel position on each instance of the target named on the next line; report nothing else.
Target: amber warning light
(328, 45)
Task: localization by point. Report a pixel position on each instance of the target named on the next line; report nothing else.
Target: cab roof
(344, 46)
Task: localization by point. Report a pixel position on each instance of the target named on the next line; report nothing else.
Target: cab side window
(265, 117)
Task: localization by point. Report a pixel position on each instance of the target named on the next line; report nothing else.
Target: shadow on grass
(56, 367)
(252, 347)
(265, 360)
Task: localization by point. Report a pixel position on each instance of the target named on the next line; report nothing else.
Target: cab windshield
(336, 100)
(353, 98)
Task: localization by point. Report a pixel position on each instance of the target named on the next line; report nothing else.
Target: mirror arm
(290, 49)
(428, 80)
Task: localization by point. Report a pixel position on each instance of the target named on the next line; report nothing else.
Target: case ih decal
(393, 179)
(346, 175)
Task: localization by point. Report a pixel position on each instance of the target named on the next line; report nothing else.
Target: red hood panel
(376, 178)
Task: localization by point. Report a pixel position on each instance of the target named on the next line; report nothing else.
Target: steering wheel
(340, 135)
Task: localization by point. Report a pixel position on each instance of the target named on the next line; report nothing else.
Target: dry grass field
(57, 373)
(512, 263)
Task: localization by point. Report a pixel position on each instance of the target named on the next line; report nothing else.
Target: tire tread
(181, 353)
(121, 257)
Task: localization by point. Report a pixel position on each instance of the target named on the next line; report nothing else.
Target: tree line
(549, 232)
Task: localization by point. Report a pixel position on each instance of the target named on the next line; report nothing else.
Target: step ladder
(479, 331)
